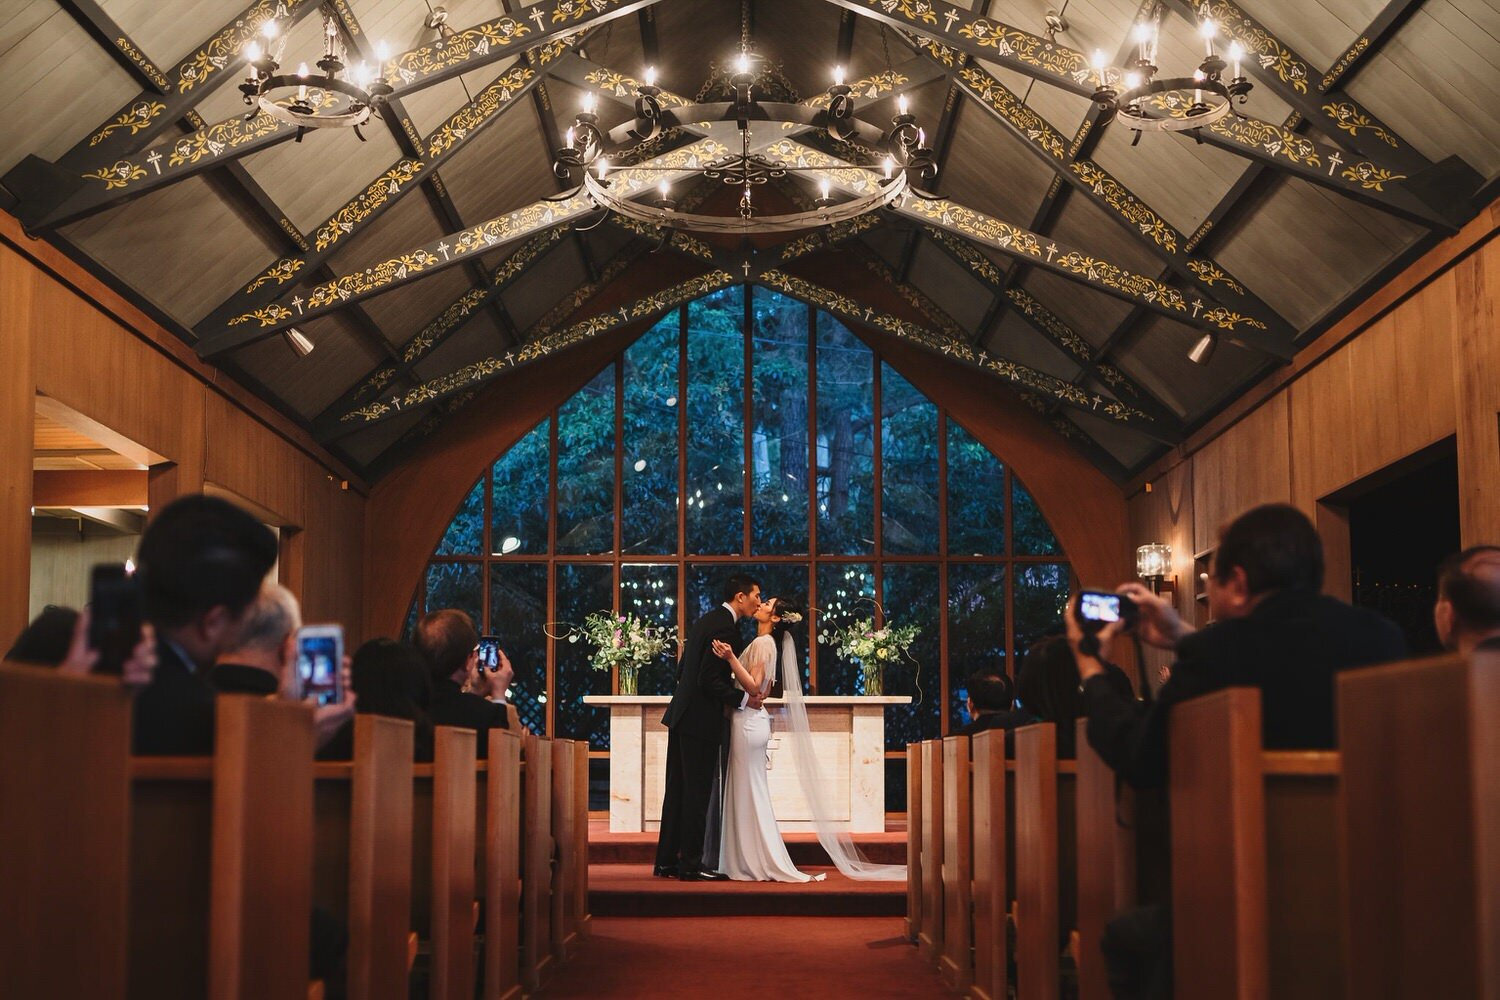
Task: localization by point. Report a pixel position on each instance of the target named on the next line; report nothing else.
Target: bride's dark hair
(785, 606)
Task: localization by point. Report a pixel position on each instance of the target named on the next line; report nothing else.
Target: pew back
(956, 963)
(455, 754)
(991, 892)
(914, 879)
(379, 852)
(1106, 860)
(502, 980)
(930, 937)
(537, 846)
(64, 839)
(1037, 889)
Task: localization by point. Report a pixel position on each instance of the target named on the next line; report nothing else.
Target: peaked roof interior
(1373, 130)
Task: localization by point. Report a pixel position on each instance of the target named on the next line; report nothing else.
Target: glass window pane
(976, 628)
(1041, 597)
(976, 497)
(580, 590)
(909, 460)
(911, 591)
(1034, 535)
(846, 593)
(846, 441)
(716, 424)
(649, 489)
(778, 435)
(650, 591)
(586, 468)
(518, 615)
(465, 532)
(518, 518)
(456, 585)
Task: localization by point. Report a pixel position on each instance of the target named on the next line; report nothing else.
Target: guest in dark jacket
(1271, 630)
(990, 704)
(1047, 687)
(392, 680)
(201, 562)
(449, 642)
(1467, 613)
(45, 641)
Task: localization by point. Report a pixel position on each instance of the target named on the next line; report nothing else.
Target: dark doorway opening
(1402, 521)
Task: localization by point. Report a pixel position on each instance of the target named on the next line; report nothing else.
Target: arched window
(749, 430)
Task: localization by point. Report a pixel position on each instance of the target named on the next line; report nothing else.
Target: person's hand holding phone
(1160, 625)
(1090, 656)
(328, 719)
(136, 671)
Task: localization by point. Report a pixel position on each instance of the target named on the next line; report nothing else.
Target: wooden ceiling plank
(113, 39)
(1368, 42)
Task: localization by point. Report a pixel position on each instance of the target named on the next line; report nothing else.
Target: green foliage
(1034, 535)
(909, 460)
(586, 468)
(465, 532)
(519, 506)
(976, 497)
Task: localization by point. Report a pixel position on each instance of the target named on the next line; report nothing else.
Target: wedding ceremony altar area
(848, 732)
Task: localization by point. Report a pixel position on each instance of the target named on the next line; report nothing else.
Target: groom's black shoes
(664, 871)
(701, 875)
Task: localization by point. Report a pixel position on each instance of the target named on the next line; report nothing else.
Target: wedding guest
(45, 642)
(393, 680)
(262, 659)
(1047, 687)
(990, 704)
(449, 642)
(201, 562)
(1467, 612)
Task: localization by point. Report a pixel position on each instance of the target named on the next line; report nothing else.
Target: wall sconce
(1153, 563)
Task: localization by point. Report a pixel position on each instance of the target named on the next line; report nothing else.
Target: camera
(115, 615)
(1097, 608)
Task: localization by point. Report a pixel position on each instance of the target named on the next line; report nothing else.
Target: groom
(695, 723)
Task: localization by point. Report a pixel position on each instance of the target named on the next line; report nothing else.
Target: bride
(750, 845)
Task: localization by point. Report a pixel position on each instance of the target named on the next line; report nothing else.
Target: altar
(848, 736)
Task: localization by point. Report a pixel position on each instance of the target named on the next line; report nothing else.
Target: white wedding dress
(750, 846)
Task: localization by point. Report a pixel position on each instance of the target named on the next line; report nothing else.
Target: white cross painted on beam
(1051, 249)
(510, 358)
(297, 301)
(1334, 159)
(536, 16)
(443, 249)
(950, 16)
(155, 160)
(1197, 305)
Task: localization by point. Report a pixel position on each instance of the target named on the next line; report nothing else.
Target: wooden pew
(914, 881)
(1038, 911)
(583, 919)
(537, 845)
(991, 893)
(502, 968)
(379, 849)
(1253, 833)
(1420, 808)
(453, 851)
(957, 964)
(1106, 860)
(65, 833)
(564, 937)
(930, 935)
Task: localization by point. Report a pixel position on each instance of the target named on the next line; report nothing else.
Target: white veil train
(835, 840)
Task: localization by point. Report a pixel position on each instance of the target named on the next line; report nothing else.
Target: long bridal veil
(835, 840)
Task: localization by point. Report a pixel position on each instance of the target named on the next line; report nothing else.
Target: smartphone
(320, 662)
(115, 615)
(1100, 607)
(489, 653)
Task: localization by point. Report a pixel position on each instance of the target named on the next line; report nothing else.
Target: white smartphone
(320, 663)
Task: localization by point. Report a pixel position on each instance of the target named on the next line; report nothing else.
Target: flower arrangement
(872, 648)
(624, 642)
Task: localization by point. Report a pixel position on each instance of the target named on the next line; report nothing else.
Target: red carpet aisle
(823, 957)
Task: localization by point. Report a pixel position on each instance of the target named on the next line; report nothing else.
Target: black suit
(452, 706)
(696, 724)
(1290, 646)
(174, 714)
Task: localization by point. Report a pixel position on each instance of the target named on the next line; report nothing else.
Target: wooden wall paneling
(1476, 375)
(502, 939)
(105, 488)
(262, 849)
(331, 550)
(64, 845)
(1323, 410)
(1248, 465)
(18, 316)
(1402, 395)
(247, 458)
(1165, 514)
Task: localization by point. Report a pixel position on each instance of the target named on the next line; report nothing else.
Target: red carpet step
(617, 890)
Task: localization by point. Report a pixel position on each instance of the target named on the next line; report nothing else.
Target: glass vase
(628, 680)
(874, 679)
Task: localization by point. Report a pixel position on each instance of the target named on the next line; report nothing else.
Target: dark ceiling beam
(1368, 42)
(214, 61)
(291, 306)
(650, 48)
(642, 311)
(113, 39)
(410, 142)
(1291, 78)
(379, 195)
(50, 196)
(843, 49)
(1051, 327)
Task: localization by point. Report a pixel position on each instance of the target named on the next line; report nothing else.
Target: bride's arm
(749, 679)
